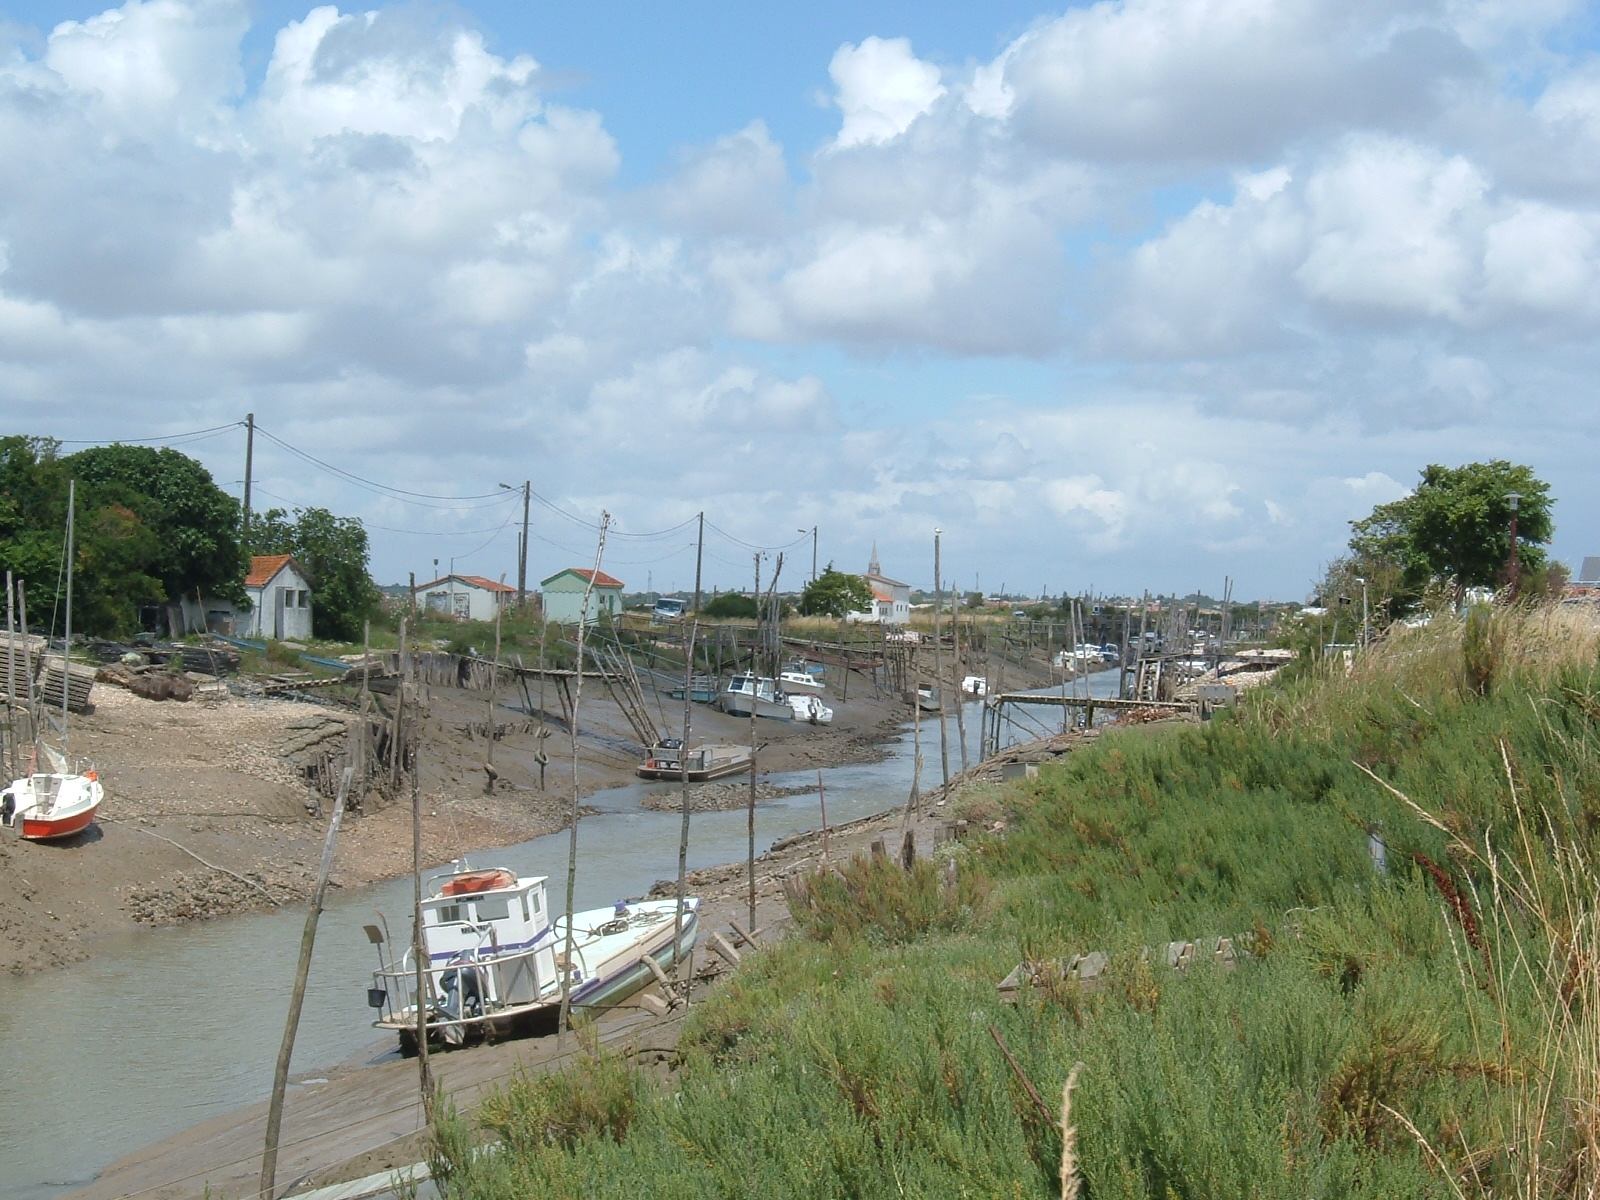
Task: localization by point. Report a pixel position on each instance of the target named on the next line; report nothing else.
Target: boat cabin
(762, 688)
(480, 913)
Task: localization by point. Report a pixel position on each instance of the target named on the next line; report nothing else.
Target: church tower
(873, 569)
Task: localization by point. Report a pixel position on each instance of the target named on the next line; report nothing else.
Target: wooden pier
(994, 711)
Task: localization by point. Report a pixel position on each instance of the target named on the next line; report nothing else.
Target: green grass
(1432, 1032)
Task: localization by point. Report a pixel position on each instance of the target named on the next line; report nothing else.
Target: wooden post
(957, 676)
(489, 775)
(572, 841)
(11, 681)
(938, 666)
(916, 736)
(683, 761)
(822, 797)
(419, 950)
(308, 941)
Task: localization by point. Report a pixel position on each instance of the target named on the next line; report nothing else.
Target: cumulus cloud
(1261, 258)
(882, 88)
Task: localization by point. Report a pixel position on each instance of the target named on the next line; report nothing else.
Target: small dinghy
(43, 807)
(811, 710)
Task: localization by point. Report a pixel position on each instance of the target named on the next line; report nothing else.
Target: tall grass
(1434, 1031)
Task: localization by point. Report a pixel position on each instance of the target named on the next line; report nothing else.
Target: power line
(192, 435)
(752, 546)
(369, 483)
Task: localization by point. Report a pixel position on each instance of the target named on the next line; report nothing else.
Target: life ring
(474, 882)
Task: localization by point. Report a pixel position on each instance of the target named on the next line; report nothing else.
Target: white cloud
(882, 88)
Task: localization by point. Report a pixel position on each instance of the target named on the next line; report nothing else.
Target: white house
(280, 599)
(891, 599)
(466, 597)
(563, 595)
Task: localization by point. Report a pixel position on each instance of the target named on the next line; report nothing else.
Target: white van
(668, 609)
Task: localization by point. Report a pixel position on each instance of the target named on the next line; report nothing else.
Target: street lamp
(1514, 499)
(813, 532)
(1366, 631)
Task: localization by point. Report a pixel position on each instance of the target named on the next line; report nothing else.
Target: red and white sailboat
(46, 805)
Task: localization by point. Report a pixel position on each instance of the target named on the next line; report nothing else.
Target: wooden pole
(11, 680)
(66, 640)
(494, 681)
(938, 665)
(572, 842)
(33, 717)
(822, 798)
(308, 941)
(683, 760)
(956, 674)
(699, 555)
(916, 736)
(419, 949)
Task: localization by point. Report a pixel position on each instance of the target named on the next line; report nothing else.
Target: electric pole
(522, 559)
(699, 554)
(249, 461)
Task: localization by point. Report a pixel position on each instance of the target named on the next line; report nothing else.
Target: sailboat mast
(66, 641)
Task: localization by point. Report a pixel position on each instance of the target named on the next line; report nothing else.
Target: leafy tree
(195, 523)
(1455, 527)
(333, 551)
(116, 548)
(835, 594)
(730, 605)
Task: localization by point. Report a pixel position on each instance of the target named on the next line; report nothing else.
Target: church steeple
(872, 566)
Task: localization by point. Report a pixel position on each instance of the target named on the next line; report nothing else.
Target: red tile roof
(478, 581)
(601, 579)
(264, 566)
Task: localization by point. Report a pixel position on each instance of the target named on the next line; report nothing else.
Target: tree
(835, 594)
(333, 551)
(195, 523)
(1454, 528)
(730, 605)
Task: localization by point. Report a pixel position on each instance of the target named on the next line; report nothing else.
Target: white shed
(280, 598)
(465, 597)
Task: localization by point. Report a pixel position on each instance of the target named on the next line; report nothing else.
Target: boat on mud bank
(45, 807)
(497, 962)
(667, 760)
(745, 692)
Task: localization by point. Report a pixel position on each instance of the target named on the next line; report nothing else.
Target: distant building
(465, 597)
(891, 599)
(280, 598)
(563, 596)
(1586, 586)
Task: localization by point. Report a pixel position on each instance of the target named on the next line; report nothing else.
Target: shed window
(305, 599)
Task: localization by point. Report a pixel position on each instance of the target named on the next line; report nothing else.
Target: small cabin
(476, 915)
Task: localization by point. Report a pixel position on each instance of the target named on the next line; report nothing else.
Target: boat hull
(43, 808)
(738, 704)
(802, 685)
(671, 774)
(44, 829)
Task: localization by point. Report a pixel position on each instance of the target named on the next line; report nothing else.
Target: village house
(563, 596)
(279, 591)
(465, 597)
(891, 599)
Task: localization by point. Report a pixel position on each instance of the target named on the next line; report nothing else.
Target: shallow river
(165, 1028)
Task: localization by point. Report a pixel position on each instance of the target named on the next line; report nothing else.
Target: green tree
(730, 605)
(835, 594)
(1454, 528)
(333, 551)
(195, 523)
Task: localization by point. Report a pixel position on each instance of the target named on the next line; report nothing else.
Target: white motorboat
(497, 961)
(975, 685)
(811, 710)
(746, 692)
(800, 683)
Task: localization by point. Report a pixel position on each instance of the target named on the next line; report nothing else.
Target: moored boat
(667, 760)
(975, 685)
(497, 961)
(926, 697)
(800, 683)
(811, 710)
(43, 807)
(747, 692)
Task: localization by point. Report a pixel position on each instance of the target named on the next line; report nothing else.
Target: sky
(1125, 295)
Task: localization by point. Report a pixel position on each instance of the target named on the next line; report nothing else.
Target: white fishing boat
(800, 683)
(497, 961)
(667, 759)
(811, 710)
(975, 685)
(745, 692)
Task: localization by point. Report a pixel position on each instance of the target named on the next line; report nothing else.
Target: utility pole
(1514, 499)
(813, 532)
(938, 663)
(522, 559)
(249, 463)
(699, 555)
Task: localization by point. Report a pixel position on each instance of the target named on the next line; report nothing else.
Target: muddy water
(165, 1028)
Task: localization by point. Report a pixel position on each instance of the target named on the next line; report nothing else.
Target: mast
(66, 641)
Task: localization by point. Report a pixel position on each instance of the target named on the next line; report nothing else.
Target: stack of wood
(25, 666)
(76, 678)
(151, 682)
